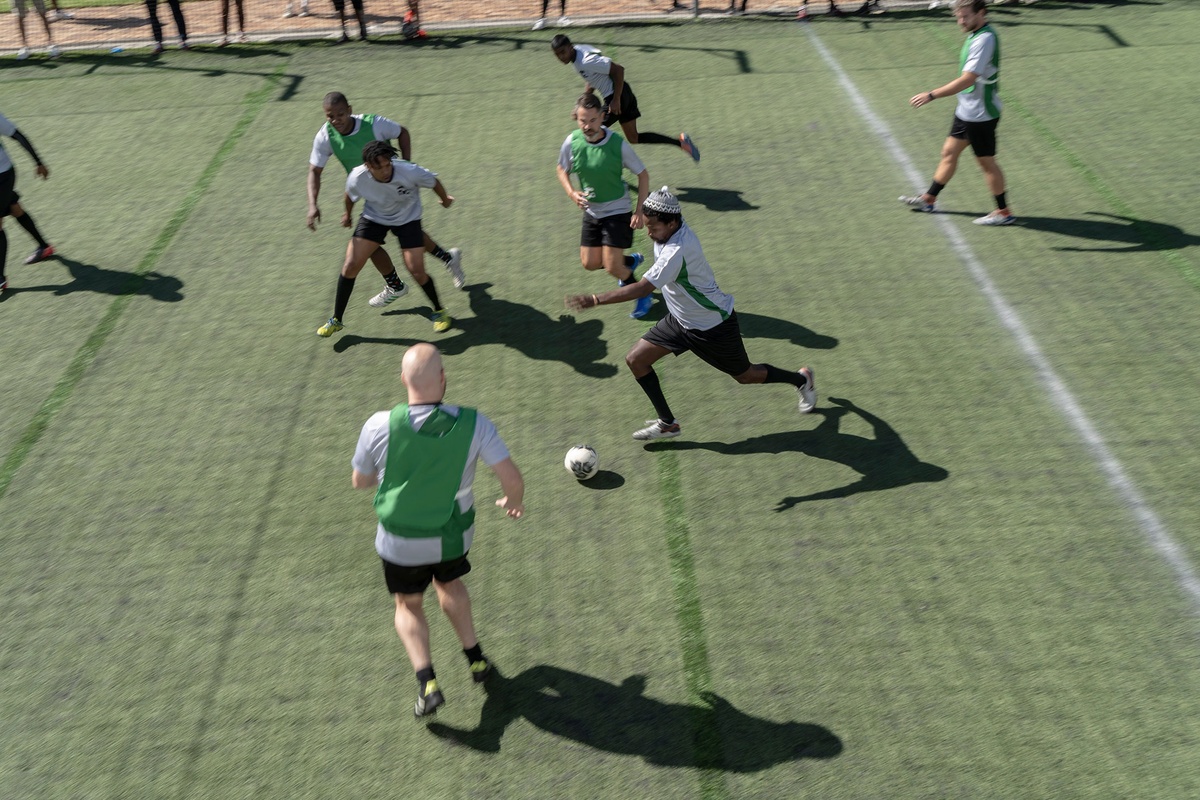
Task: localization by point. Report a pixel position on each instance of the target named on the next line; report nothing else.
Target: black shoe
(428, 700)
(481, 670)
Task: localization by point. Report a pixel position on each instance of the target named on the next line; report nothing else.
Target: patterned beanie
(663, 202)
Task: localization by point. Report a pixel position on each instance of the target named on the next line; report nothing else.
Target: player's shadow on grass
(1137, 235)
(884, 462)
(90, 278)
(621, 718)
(531, 332)
(714, 199)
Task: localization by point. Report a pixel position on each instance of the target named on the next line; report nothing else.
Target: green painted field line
(690, 615)
(86, 354)
(1081, 168)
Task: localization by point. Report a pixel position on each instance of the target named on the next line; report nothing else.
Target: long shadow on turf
(884, 462)
(1138, 235)
(531, 332)
(90, 278)
(620, 718)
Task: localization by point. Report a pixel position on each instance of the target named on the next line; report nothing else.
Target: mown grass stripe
(87, 352)
(690, 615)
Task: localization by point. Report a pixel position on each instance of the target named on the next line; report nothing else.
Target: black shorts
(720, 346)
(981, 135)
(8, 191)
(415, 580)
(611, 231)
(410, 234)
(629, 107)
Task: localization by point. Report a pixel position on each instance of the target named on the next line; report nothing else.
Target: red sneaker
(41, 254)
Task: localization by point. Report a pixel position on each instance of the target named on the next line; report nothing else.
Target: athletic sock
(344, 288)
(26, 222)
(440, 254)
(474, 654)
(628, 280)
(431, 292)
(424, 676)
(652, 388)
(777, 375)
(393, 281)
(1001, 200)
(657, 138)
(935, 188)
(3, 252)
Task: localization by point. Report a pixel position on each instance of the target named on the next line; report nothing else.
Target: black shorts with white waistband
(720, 346)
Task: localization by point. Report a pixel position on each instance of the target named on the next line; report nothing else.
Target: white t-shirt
(6, 129)
(593, 68)
(629, 161)
(396, 202)
(981, 60)
(370, 456)
(384, 130)
(683, 275)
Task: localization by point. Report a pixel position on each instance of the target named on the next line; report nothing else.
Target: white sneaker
(917, 201)
(387, 295)
(541, 23)
(996, 218)
(23, 54)
(657, 429)
(564, 22)
(455, 267)
(287, 11)
(304, 8)
(54, 52)
(808, 392)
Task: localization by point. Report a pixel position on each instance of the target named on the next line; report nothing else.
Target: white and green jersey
(980, 55)
(682, 274)
(348, 147)
(396, 202)
(593, 68)
(599, 167)
(370, 457)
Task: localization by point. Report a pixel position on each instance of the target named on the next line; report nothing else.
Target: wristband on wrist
(595, 300)
(931, 97)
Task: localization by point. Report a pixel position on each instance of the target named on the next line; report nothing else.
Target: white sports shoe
(564, 22)
(387, 295)
(54, 52)
(807, 392)
(996, 218)
(657, 429)
(541, 23)
(455, 267)
(23, 54)
(917, 201)
(287, 11)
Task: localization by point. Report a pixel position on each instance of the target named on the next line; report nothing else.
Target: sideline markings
(87, 353)
(1152, 528)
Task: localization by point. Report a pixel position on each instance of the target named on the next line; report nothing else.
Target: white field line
(1151, 526)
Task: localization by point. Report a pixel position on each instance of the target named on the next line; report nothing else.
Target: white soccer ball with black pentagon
(582, 461)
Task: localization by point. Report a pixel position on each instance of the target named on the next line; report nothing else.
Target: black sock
(26, 222)
(1001, 200)
(474, 654)
(345, 287)
(777, 375)
(393, 281)
(628, 279)
(657, 138)
(440, 254)
(3, 252)
(431, 293)
(652, 388)
(424, 676)
(935, 188)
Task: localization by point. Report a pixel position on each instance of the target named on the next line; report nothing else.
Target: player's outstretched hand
(918, 100)
(314, 216)
(42, 171)
(513, 510)
(346, 220)
(578, 302)
(447, 201)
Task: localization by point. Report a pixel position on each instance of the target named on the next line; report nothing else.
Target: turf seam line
(86, 354)
(1152, 528)
(1110, 196)
(689, 613)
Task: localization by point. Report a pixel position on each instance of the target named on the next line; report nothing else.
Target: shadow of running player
(622, 719)
(526, 329)
(884, 462)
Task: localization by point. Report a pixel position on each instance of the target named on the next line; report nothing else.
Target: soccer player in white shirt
(976, 114)
(700, 318)
(9, 199)
(391, 190)
(603, 75)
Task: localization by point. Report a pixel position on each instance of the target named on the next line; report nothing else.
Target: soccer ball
(582, 461)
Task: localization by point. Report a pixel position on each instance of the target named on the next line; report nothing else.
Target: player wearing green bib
(976, 116)
(598, 157)
(420, 459)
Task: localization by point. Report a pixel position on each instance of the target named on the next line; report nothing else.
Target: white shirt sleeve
(564, 155)
(322, 150)
(630, 160)
(491, 447)
(385, 128)
(666, 266)
(352, 183)
(6, 127)
(417, 175)
(979, 56)
(370, 455)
